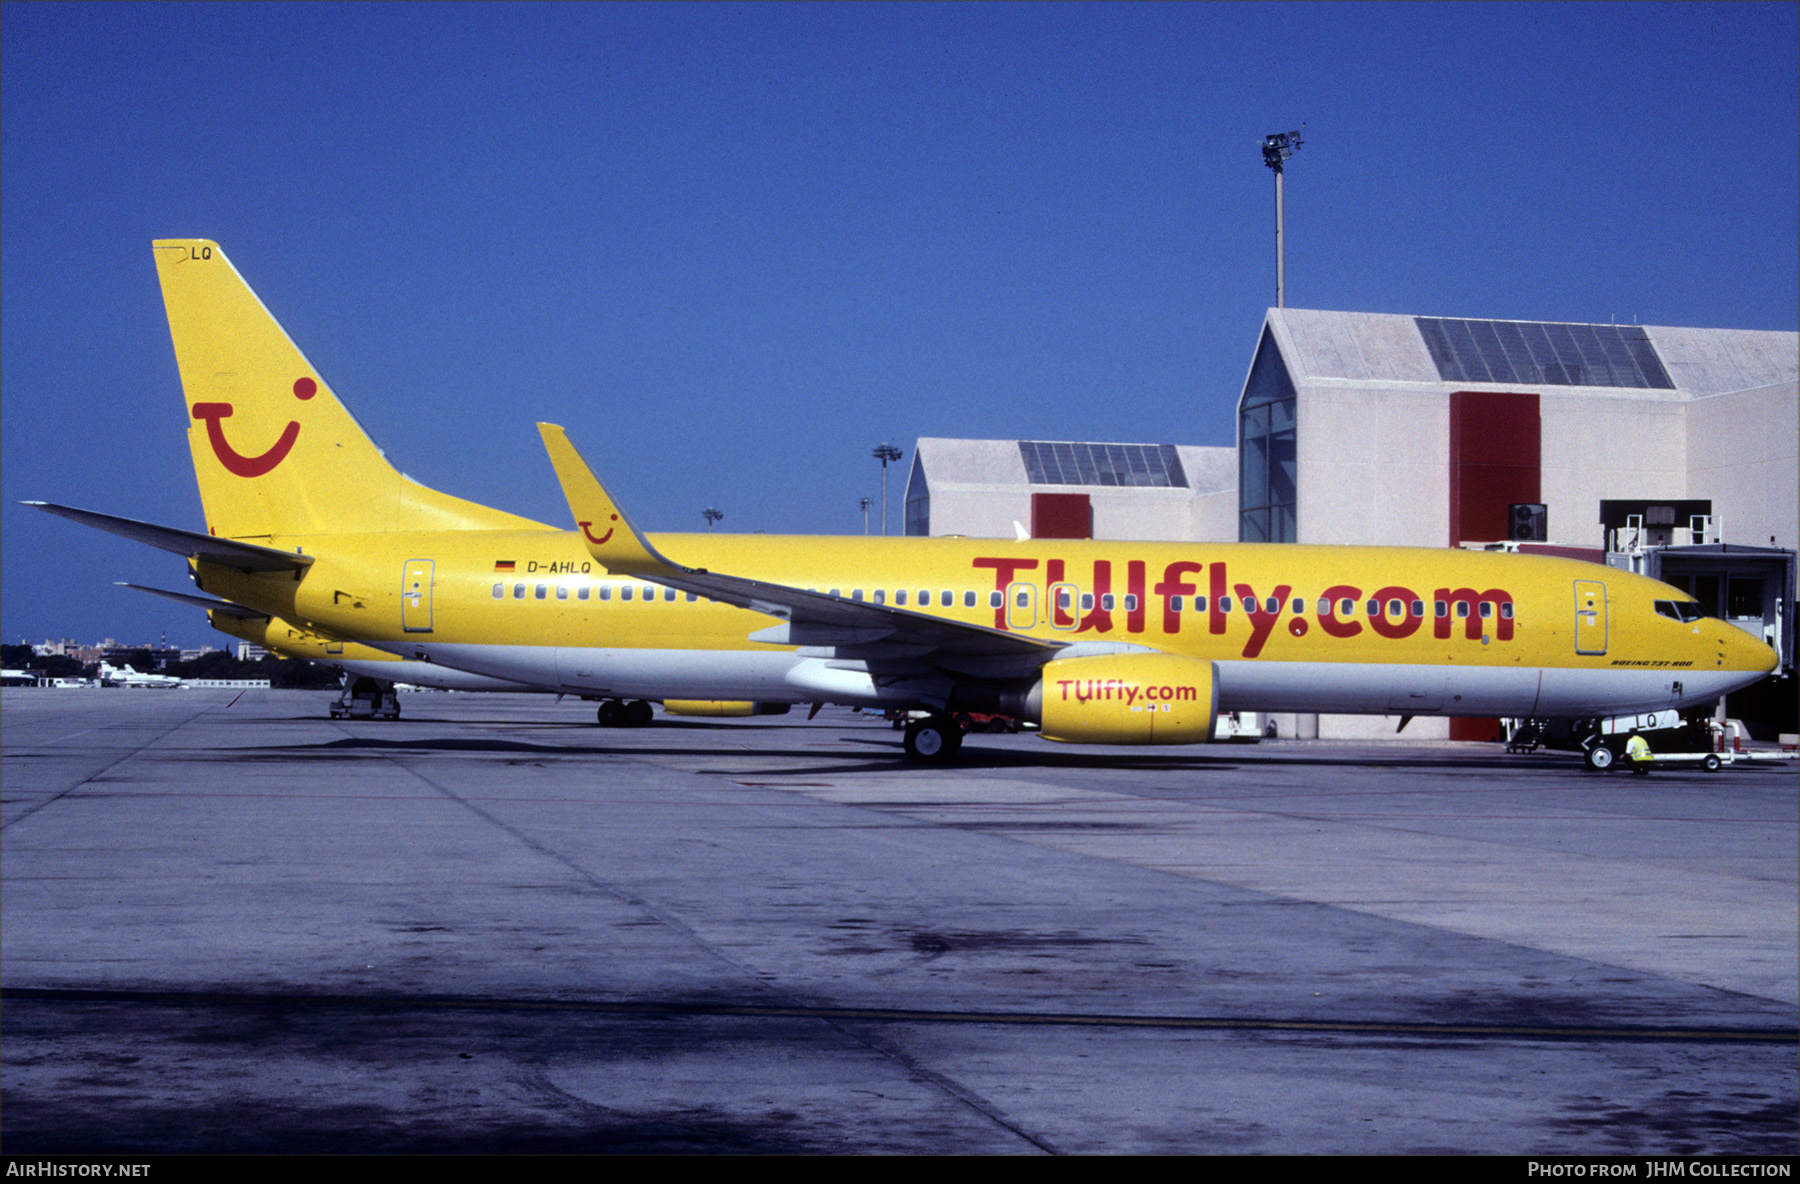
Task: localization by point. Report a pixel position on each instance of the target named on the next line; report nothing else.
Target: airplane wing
(854, 628)
(193, 544)
(224, 607)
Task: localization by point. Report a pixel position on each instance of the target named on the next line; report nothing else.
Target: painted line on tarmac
(1736, 1035)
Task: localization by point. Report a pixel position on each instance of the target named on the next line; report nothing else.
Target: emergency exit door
(1590, 617)
(415, 596)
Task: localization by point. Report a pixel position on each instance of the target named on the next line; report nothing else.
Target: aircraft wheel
(1600, 758)
(933, 740)
(1712, 763)
(611, 714)
(638, 714)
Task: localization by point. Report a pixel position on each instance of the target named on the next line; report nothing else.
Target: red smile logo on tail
(233, 460)
(601, 541)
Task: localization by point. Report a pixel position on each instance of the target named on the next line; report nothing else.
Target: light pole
(866, 503)
(711, 515)
(1276, 149)
(884, 452)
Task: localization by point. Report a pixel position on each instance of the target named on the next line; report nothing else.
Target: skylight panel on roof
(1542, 353)
(1141, 465)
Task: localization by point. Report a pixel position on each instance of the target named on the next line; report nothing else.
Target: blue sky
(732, 248)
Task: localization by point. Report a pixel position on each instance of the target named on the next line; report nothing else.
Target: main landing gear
(933, 740)
(616, 713)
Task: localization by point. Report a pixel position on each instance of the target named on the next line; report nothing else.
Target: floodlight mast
(885, 452)
(1276, 149)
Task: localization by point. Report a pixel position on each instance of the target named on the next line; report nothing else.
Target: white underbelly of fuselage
(782, 676)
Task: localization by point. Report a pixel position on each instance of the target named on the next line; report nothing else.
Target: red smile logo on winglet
(236, 462)
(601, 541)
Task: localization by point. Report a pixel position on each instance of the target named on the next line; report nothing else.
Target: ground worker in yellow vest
(1637, 751)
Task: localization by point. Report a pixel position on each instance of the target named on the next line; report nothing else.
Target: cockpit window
(1680, 610)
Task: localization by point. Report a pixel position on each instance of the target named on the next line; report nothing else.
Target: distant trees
(21, 657)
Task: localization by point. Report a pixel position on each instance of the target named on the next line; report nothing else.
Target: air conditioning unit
(1528, 522)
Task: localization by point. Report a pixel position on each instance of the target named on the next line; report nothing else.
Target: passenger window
(518, 591)
(949, 599)
(1299, 607)
(835, 592)
(1130, 602)
(995, 600)
(499, 591)
(880, 596)
(856, 594)
(1199, 604)
(1373, 608)
(1087, 601)
(1395, 608)
(1418, 608)
(1443, 609)
(606, 591)
(968, 600)
(1506, 610)
(692, 596)
(1175, 603)
(900, 597)
(625, 592)
(541, 589)
(1487, 608)
(1346, 608)
(1224, 604)
(1462, 608)
(1271, 605)
(562, 591)
(581, 593)
(1106, 601)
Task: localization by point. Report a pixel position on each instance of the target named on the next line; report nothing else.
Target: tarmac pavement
(229, 923)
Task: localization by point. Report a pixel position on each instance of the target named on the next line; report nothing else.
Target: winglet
(610, 537)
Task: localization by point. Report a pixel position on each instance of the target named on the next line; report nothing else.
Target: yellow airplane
(1097, 642)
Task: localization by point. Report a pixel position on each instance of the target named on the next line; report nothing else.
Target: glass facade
(1266, 459)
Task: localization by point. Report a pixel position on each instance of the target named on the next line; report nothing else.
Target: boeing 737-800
(1092, 641)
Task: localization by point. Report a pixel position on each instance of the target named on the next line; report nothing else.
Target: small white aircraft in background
(114, 676)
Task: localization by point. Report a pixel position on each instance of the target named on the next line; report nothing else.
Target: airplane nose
(1747, 652)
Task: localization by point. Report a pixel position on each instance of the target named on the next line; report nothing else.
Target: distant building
(1058, 489)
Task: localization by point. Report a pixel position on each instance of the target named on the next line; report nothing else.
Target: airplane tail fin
(274, 450)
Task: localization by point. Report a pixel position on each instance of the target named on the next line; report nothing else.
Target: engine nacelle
(1129, 699)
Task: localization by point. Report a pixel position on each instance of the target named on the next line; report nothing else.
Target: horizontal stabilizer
(191, 543)
(224, 607)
